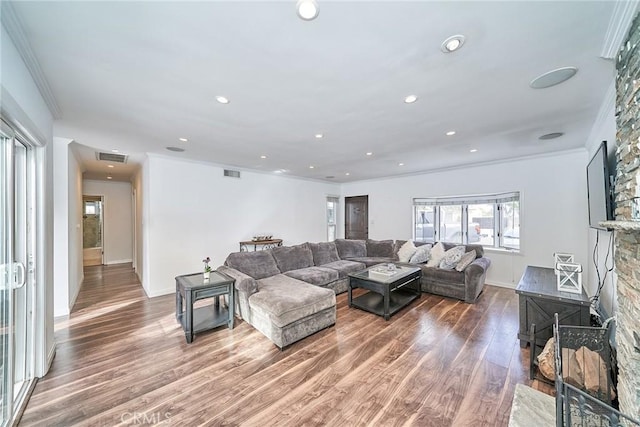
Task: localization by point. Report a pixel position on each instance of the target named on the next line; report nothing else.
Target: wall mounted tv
(599, 188)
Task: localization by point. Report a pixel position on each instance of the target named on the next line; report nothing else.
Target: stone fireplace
(627, 223)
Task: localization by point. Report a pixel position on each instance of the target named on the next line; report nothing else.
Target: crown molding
(621, 19)
(13, 25)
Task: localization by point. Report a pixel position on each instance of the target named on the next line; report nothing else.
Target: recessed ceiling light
(473, 150)
(410, 99)
(552, 135)
(175, 149)
(311, 167)
(278, 171)
(183, 139)
(222, 99)
(115, 151)
(109, 177)
(553, 77)
(319, 135)
(347, 173)
(263, 157)
(369, 153)
(451, 133)
(110, 166)
(400, 164)
(307, 9)
(452, 43)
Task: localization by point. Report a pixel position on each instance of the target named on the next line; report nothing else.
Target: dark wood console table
(262, 244)
(539, 299)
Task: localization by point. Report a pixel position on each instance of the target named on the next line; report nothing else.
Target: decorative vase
(206, 275)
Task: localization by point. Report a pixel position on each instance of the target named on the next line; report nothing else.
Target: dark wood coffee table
(387, 293)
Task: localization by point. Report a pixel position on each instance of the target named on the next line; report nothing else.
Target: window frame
(498, 200)
(332, 225)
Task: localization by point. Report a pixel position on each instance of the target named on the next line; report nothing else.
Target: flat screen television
(599, 188)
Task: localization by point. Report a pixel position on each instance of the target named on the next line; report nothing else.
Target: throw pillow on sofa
(406, 251)
(466, 259)
(421, 255)
(452, 257)
(437, 253)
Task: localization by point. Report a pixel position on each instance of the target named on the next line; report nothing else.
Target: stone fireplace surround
(627, 224)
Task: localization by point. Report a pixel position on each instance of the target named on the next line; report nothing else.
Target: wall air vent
(231, 174)
(111, 157)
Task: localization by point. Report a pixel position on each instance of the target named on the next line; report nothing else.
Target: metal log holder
(579, 405)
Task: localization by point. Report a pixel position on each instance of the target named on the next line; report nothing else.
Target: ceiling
(137, 76)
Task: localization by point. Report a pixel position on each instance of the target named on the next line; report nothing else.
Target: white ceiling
(136, 76)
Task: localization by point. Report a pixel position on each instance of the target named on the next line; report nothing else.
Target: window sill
(503, 251)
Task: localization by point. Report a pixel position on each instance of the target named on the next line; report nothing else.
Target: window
(332, 221)
(490, 220)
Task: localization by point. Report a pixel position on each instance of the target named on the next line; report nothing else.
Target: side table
(540, 299)
(191, 288)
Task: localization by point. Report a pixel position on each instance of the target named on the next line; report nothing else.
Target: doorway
(92, 230)
(356, 217)
(17, 271)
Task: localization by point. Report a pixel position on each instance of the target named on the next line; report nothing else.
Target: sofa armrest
(243, 283)
(474, 277)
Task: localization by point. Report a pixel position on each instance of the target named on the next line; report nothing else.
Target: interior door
(356, 217)
(92, 228)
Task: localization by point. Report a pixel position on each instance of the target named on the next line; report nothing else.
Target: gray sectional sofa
(288, 292)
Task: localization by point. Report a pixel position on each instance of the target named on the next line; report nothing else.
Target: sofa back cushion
(324, 252)
(293, 257)
(348, 248)
(478, 248)
(380, 248)
(259, 264)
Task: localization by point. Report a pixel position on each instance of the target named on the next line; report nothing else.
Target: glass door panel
(17, 284)
(6, 276)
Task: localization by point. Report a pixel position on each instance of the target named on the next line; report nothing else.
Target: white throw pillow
(437, 253)
(452, 257)
(406, 251)
(466, 259)
(421, 255)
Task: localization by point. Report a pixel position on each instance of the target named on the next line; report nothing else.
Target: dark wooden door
(356, 222)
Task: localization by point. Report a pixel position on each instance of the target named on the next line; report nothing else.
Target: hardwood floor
(123, 360)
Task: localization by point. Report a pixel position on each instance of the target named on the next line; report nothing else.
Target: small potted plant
(207, 268)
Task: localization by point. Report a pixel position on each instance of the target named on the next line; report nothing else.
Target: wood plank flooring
(123, 360)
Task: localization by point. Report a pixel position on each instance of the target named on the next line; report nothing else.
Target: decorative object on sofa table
(569, 277)
(207, 269)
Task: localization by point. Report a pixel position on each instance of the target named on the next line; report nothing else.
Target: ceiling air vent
(111, 157)
(231, 174)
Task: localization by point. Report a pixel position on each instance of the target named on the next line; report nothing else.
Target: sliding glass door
(17, 226)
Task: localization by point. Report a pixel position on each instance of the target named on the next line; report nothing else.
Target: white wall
(195, 212)
(118, 218)
(74, 256)
(22, 104)
(603, 130)
(553, 206)
(67, 231)
(139, 208)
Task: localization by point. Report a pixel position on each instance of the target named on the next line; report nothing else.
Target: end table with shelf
(191, 288)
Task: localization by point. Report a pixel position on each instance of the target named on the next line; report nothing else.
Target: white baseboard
(161, 292)
(119, 261)
(50, 355)
(502, 284)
